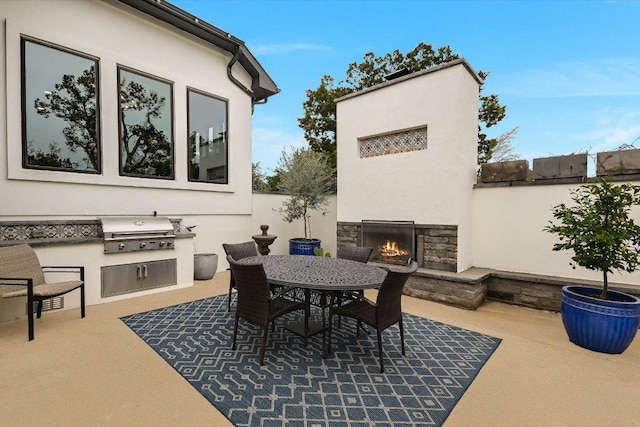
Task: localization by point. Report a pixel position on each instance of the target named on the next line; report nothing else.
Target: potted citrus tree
(306, 177)
(598, 229)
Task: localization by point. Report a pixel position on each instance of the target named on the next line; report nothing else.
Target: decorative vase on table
(302, 246)
(606, 326)
(204, 266)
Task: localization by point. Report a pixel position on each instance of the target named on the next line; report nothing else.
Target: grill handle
(133, 236)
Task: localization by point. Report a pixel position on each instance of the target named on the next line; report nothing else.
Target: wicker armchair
(22, 276)
(238, 251)
(385, 312)
(355, 253)
(256, 304)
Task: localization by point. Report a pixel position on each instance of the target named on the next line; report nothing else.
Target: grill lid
(122, 226)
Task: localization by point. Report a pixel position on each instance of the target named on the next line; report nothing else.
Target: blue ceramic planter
(600, 325)
(302, 246)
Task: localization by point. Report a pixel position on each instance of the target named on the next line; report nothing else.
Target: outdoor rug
(297, 387)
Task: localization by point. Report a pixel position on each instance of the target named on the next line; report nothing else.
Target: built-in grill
(136, 233)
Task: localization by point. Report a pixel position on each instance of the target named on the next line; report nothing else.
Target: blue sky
(568, 71)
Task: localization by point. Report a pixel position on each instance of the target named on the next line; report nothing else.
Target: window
(60, 113)
(207, 135)
(145, 125)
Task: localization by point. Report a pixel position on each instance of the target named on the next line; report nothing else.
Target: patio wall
(507, 232)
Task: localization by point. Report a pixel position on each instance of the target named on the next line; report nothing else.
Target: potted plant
(602, 236)
(306, 176)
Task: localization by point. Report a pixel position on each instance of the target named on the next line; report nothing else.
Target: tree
(72, 100)
(319, 120)
(598, 228)
(307, 178)
(258, 178)
(503, 149)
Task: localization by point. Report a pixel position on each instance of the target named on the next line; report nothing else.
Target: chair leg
(229, 297)
(380, 351)
(82, 310)
(235, 332)
(264, 343)
(30, 316)
(328, 344)
(39, 314)
(401, 336)
(306, 324)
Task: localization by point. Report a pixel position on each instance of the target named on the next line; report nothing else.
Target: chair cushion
(46, 290)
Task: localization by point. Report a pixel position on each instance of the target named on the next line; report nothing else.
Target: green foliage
(598, 229)
(321, 253)
(258, 178)
(306, 177)
(319, 120)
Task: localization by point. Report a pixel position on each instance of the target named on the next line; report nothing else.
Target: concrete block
(623, 162)
(572, 166)
(516, 170)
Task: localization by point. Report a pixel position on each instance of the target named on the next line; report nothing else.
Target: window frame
(225, 101)
(171, 107)
(24, 39)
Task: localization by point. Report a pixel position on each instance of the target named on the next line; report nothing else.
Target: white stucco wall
(119, 35)
(508, 232)
(431, 186)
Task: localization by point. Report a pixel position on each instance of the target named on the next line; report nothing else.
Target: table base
(298, 328)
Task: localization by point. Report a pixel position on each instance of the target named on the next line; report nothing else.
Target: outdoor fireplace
(393, 242)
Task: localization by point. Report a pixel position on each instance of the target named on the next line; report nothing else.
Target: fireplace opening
(393, 242)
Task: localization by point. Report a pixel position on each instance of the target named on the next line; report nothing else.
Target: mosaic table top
(319, 273)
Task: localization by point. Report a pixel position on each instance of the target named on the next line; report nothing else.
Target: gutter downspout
(237, 82)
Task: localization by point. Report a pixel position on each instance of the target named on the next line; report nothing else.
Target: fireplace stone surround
(436, 245)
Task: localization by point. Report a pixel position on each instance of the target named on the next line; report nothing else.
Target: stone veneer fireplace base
(436, 245)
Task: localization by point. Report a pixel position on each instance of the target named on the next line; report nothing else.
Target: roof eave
(262, 85)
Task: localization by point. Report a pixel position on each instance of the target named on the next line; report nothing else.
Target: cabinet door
(128, 278)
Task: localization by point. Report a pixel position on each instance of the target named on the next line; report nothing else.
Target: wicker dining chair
(257, 305)
(355, 253)
(380, 315)
(21, 275)
(238, 251)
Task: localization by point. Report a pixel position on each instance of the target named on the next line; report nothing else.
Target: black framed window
(60, 111)
(207, 135)
(145, 114)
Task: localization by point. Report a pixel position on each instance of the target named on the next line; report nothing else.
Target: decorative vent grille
(395, 142)
(49, 304)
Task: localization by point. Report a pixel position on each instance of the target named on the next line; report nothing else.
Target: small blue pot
(301, 246)
(605, 326)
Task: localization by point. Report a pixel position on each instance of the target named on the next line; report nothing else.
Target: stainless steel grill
(136, 233)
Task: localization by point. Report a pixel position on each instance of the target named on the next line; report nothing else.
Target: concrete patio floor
(96, 372)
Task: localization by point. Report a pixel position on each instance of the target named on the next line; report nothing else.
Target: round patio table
(320, 275)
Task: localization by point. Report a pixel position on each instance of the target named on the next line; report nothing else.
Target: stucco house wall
(120, 35)
(428, 186)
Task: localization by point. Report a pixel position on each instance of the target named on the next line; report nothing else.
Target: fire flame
(391, 249)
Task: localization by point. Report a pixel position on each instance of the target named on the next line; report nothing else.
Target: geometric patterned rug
(296, 387)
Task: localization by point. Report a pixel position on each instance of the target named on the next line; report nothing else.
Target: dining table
(319, 280)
